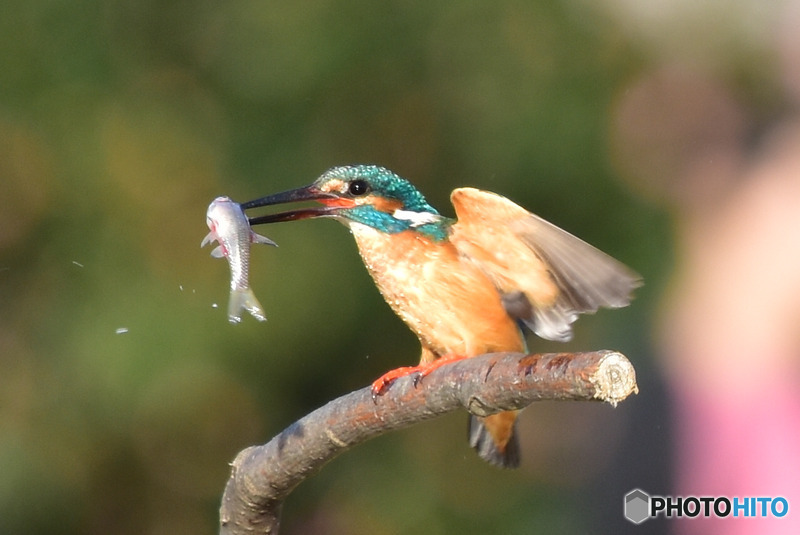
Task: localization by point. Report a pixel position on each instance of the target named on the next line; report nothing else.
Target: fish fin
(495, 438)
(244, 299)
(210, 237)
(218, 252)
(258, 238)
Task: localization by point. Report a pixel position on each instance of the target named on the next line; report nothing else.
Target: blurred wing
(546, 275)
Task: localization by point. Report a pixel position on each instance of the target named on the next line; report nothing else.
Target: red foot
(382, 383)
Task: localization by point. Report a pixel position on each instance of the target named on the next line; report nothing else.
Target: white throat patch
(416, 218)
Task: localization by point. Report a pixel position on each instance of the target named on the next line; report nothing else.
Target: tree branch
(263, 476)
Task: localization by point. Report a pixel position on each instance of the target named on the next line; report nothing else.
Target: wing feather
(546, 275)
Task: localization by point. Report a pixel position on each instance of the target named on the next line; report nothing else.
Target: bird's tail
(495, 439)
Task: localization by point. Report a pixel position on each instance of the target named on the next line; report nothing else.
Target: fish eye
(358, 187)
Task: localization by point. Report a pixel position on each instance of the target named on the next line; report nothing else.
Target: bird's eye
(358, 188)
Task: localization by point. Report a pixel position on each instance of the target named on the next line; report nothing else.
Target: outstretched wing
(546, 275)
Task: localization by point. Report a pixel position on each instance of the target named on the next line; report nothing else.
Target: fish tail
(244, 299)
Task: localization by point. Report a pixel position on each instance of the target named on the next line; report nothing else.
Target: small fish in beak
(229, 227)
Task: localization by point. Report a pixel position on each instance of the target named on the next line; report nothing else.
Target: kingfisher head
(363, 194)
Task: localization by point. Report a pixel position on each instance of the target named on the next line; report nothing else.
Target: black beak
(306, 193)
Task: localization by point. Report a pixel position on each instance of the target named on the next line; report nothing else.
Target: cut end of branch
(615, 378)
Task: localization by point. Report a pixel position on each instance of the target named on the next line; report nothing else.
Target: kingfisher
(465, 286)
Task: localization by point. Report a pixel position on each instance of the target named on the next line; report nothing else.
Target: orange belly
(450, 304)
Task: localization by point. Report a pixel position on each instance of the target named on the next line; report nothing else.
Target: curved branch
(263, 476)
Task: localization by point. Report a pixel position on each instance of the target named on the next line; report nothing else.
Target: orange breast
(449, 303)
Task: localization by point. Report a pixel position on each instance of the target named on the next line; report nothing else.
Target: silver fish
(229, 227)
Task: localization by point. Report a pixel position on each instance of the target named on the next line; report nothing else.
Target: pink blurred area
(729, 327)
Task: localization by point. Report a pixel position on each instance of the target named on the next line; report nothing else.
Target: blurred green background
(125, 393)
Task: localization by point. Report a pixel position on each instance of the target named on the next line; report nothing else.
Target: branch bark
(263, 476)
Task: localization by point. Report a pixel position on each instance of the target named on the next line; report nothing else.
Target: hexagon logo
(637, 506)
